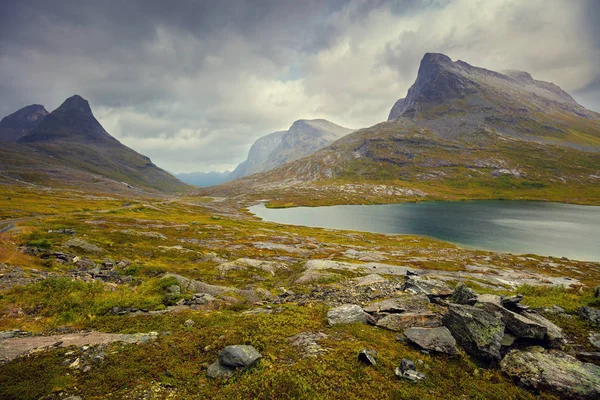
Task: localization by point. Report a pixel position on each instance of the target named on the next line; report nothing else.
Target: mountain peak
(76, 102)
(17, 124)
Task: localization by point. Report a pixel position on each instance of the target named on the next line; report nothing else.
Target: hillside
(303, 138)
(69, 147)
(461, 132)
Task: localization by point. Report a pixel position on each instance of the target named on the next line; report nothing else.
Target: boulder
(463, 295)
(553, 371)
(428, 287)
(346, 314)
(592, 315)
(239, 356)
(554, 336)
(489, 298)
(479, 332)
(216, 370)
(414, 303)
(400, 322)
(513, 303)
(517, 324)
(434, 339)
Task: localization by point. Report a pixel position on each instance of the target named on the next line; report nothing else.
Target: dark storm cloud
(193, 83)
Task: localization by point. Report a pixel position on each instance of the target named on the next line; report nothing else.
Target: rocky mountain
(19, 123)
(303, 138)
(203, 179)
(460, 132)
(69, 145)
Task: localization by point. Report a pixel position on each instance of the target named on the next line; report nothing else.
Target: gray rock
(346, 314)
(508, 340)
(592, 315)
(517, 324)
(594, 339)
(477, 331)
(489, 298)
(369, 280)
(435, 339)
(553, 371)
(555, 335)
(216, 370)
(400, 322)
(189, 323)
(413, 303)
(174, 290)
(83, 245)
(368, 356)
(406, 364)
(428, 287)
(239, 356)
(463, 295)
(411, 375)
(203, 298)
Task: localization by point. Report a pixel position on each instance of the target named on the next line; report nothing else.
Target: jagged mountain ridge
(71, 141)
(460, 129)
(16, 125)
(303, 138)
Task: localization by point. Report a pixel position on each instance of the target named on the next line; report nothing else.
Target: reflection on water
(561, 230)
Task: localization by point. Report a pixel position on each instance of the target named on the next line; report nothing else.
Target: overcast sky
(192, 84)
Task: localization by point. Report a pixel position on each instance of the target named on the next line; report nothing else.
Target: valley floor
(108, 297)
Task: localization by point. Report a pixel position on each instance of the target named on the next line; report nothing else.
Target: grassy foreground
(193, 237)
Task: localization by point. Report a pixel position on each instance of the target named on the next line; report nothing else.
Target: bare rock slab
(520, 326)
(479, 332)
(553, 371)
(346, 314)
(400, 304)
(434, 339)
(400, 322)
(427, 286)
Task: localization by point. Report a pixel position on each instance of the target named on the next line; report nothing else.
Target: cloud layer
(193, 86)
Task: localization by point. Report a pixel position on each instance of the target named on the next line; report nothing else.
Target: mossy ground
(174, 365)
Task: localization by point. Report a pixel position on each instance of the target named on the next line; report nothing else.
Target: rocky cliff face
(19, 123)
(303, 138)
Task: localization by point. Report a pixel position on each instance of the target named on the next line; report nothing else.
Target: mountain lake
(518, 227)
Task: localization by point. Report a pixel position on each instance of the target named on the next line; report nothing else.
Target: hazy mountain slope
(204, 178)
(462, 132)
(73, 138)
(303, 138)
(19, 123)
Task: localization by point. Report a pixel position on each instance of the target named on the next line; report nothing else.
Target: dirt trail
(14, 347)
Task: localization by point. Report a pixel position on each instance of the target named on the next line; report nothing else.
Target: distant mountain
(303, 138)
(203, 179)
(19, 123)
(460, 132)
(72, 141)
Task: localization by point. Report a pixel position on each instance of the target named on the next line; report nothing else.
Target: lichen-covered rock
(413, 303)
(517, 324)
(400, 322)
(592, 315)
(346, 314)
(428, 287)
(555, 335)
(463, 295)
(479, 332)
(216, 370)
(239, 356)
(434, 339)
(553, 371)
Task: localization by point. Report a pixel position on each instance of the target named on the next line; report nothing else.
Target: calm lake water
(554, 229)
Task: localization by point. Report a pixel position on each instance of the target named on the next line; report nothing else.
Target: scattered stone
(553, 371)
(477, 331)
(463, 295)
(239, 356)
(517, 324)
(413, 303)
(367, 356)
(428, 287)
(346, 314)
(594, 339)
(592, 315)
(189, 323)
(400, 322)
(435, 339)
(406, 364)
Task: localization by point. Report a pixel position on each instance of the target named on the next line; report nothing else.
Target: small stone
(367, 356)
(189, 323)
(407, 364)
(411, 375)
(87, 368)
(239, 356)
(75, 364)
